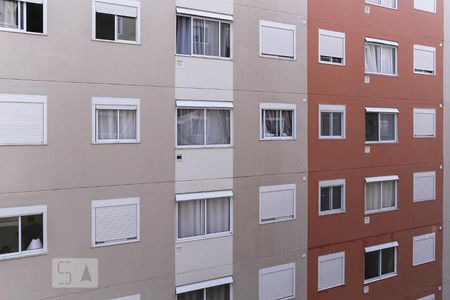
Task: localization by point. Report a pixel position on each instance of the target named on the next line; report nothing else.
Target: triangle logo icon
(86, 275)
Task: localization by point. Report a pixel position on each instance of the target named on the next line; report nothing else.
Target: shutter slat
(424, 249)
(277, 41)
(277, 284)
(277, 204)
(115, 9)
(424, 186)
(332, 46)
(331, 270)
(425, 5)
(424, 122)
(423, 60)
(115, 223)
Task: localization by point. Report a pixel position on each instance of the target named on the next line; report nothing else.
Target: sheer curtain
(371, 58)
(388, 194)
(127, 124)
(225, 40)
(107, 124)
(286, 119)
(388, 60)
(212, 38)
(190, 127)
(183, 35)
(271, 123)
(387, 127)
(373, 195)
(8, 14)
(218, 215)
(221, 292)
(217, 127)
(191, 218)
(199, 37)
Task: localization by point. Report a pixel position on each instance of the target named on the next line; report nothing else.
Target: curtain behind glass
(212, 38)
(191, 218)
(373, 196)
(107, 124)
(388, 60)
(8, 14)
(199, 37)
(372, 56)
(387, 127)
(183, 35)
(195, 295)
(388, 194)
(225, 40)
(221, 292)
(127, 124)
(218, 215)
(286, 119)
(190, 127)
(126, 28)
(217, 127)
(271, 123)
(337, 123)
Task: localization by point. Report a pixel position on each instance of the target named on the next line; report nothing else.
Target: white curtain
(127, 124)
(373, 195)
(190, 127)
(225, 40)
(271, 123)
(212, 38)
(221, 292)
(8, 14)
(199, 37)
(191, 218)
(388, 60)
(388, 194)
(183, 35)
(372, 55)
(286, 123)
(107, 124)
(218, 215)
(195, 295)
(217, 127)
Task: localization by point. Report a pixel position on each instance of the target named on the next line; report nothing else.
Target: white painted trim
(44, 19)
(336, 34)
(131, 297)
(329, 257)
(279, 268)
(203, 285)
(204, 104)
(381, 247)
(424, 111)
(383, 42)
(332, 183)
(278, 106)
(202, 13)
(277, 188)
(425, 237)
(204, 195)
(278, 26)
(381, 178)
(382, 110)
(385, 6)
(332, 109)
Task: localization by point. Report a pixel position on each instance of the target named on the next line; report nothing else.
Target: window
(381, 57)
(380, 262)
(429, 297)
(424, 60)
(384, 3)
(277, 282)
(277, 121)
(203, 34)
(23, 231)
(424, 186)
(332, 121)
(332, 196)
(381, 193)
(208, 290)
(381, 125)
(24, 16)
(331, 47)
(204, 214)
(425, 5)
(277, 40)
(115, 221)
(277, 203)
(116, 20)
(23, 119)
(331, 271)
(424, 123)
(203, 123)
(424, 249)
(115, 120)
(132, 297)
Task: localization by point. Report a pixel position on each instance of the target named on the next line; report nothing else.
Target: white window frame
(425, 237)
(380, 247)
(381, 179)
(281, 107)
(277, 188)
(380, 111)
(428, 49)
(380, 5)
(206, 285)
(278, 26)
(332, 109)
(426, 111)
(23, 211)
(131, 297)
(274, 269)
(335, 34)
(110, 203)
(44, 19)
(328, 257)
(19, 98)
(424, 174)
(116, 104)
(332, 183)
(204, 196)
(428, 11)
(383, 43)
(131, 3)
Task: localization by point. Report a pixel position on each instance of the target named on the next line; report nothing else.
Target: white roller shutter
(332, 43)
(429, 297)
(424, 58)
(424, 186)
(277, 282)
(424, 122)
(425, 5)
(116, 9)
(331, 271)
(424, 248)
(277, 39)
(22, 122)
(277, 203)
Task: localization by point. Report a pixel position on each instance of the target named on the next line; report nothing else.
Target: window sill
(203, 147)
(424, 73)
(382, 143)
(382, 6)
(16, 145)
(117, 42)
(205, 57)
(22, 31)
(424, 263)
(287, 219)
(331, 287)
(376, 211)
(332, 64)
(22, 255)
(331, 212)
(380, 278)
(425, 11)
(115, 142)
(331, 138)
(278, 139)
(277, 57)
(204, 237)
(424, 137)
(381, 74)
(115, 243)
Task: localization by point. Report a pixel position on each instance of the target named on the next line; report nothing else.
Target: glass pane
(221, 292)
(387, 261)
(126, 28)
(190, 127)
(372, 58)
(325, 125)
(35, 17)
(388, 194)
(195, 295)
(372, 265)
(183, 35)
(211, 38)
(373, 196)
(218, 215)
(9, 235)
(337, 197)
(104, 26)
(199, 37)
(325, 194)
(337, 124)
(217, 127)
(127, 124)
(225, 40)
(286, 123)
(191, 218)
(9, 14)
(387, 127)
(32, 232)
(387, 60)
(107, 124)
(371, 127)
(272, 123)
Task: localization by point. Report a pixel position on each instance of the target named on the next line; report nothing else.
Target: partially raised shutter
(425, 5)
(424, 122)
(331, 270)
(424, 186)
(424, 248)
(277, 282)
(424, 59)
(116, 223)
(332, 43)
(277, 39)
(115, 9)
(277, 202)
